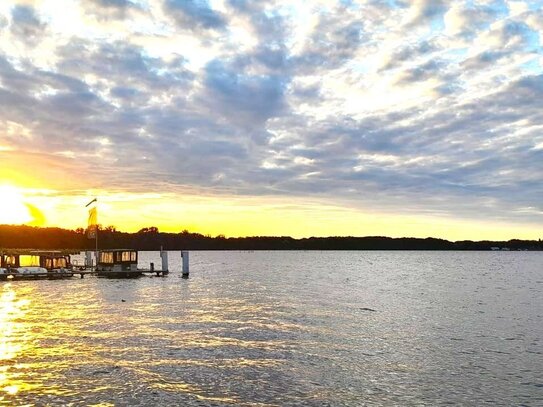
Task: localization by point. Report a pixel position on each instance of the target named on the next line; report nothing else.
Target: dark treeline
(151, 239)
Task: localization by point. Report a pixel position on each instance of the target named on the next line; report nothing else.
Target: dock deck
(81, 273)
(43, 276)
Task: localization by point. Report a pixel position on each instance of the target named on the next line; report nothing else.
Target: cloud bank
(418, 107)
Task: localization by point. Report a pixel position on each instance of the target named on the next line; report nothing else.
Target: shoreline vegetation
(150, 238)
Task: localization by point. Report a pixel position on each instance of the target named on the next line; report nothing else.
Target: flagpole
(95, 201)
(96, 242)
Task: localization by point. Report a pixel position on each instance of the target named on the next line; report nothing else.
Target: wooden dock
(50, 275)
(57, 265)
(81, 273)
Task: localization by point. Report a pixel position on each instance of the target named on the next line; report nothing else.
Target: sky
(302, 118)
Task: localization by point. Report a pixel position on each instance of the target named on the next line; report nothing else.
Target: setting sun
(13, 209)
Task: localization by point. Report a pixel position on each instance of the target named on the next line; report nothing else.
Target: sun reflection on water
(13, 337)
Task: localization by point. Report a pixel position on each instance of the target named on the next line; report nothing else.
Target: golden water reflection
(152, 341)
(37, 331)
(14, 338)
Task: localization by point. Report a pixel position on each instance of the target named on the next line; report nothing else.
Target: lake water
(283, 328)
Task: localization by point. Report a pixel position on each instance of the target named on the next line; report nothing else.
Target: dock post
(164, 257)
(185, 257)
(88, 259)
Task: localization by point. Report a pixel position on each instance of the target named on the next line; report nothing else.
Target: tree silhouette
(149, 238)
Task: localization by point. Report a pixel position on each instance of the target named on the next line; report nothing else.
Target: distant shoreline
(29, 237)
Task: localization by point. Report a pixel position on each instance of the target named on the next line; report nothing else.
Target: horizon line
(223, 236)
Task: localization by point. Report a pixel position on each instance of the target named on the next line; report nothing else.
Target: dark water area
(282, 329)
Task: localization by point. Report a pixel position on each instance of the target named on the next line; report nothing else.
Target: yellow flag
(92, 224)
(93, 217)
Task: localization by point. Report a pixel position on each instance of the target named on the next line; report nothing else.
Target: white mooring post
(185, 257)
(164, 257)
(88, 259)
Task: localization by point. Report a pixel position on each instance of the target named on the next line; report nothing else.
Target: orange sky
(234, 216)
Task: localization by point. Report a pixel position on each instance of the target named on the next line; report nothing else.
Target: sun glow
(13, 209)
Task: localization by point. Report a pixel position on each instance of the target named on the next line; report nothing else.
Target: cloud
(109, 9)
(330, 48)
(244, 98)
(26, 25)
(3, 22)
(194, 15)
(408, 53)
(123, 64)
(423, 11)
(421, 73)
(513, 33)
(465, 20)
(334, 40)
(484, 60)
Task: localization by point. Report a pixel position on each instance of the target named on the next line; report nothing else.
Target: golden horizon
(234, 216)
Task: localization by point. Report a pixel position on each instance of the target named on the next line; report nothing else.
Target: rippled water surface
(282, 328)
